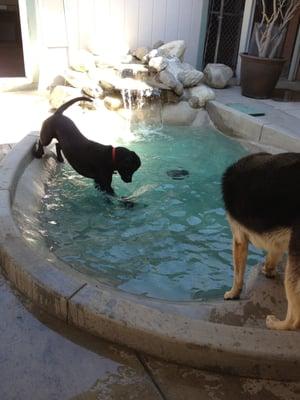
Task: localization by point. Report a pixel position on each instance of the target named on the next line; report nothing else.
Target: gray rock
(140, 52)
(185, 95)
(194, 102)
(167, 78)
(203, 93)
(184, 72)
(158, 44)
(158, 63)
(202, 119)
(179, 89)
(175, 66)
(168, 96)
(190, 78)
(176, 48)
(178, 114)
(217, 75)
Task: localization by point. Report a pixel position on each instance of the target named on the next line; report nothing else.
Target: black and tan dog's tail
(66, 105)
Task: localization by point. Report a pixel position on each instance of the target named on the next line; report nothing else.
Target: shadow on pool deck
(42, 358)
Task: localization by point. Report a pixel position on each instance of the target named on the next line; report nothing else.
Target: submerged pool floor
(175, 242)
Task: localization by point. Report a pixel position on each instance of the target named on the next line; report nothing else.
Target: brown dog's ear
(127, 159)
(137, 160)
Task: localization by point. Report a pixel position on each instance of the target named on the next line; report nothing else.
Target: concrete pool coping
(255, 129)
(149, 326)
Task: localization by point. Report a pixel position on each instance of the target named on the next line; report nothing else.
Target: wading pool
(83, 258)
(174, 243)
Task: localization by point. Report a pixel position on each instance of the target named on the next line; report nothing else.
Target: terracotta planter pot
(259, 75)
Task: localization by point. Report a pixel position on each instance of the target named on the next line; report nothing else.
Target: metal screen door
(223, 32)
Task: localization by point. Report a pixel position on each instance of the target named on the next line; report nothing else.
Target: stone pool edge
(123, 318)
(255, 129)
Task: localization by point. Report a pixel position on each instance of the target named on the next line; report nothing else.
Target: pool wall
(172, 331)
(241, 125)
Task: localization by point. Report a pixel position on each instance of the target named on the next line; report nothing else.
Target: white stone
(178, 114)
(204, 94)
(158, 63)
(176, 48)
(82, 61)
(217, 75)
(61, 94)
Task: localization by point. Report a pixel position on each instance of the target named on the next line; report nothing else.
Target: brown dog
(262, 200)
(90, 159)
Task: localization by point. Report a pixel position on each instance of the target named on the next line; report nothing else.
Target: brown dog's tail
(64, 106)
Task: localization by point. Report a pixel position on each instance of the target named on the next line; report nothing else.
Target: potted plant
(260, 72)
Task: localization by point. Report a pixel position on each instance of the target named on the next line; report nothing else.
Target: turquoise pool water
(174, 243)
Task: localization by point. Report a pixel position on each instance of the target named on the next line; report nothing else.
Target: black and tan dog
(261, 193)
(90, 159)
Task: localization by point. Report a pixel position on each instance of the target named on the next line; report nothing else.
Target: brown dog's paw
(232, 295)
(271, 321)
(274, 323)
(269, 273)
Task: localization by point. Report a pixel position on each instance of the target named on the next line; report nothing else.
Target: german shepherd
(262, 201)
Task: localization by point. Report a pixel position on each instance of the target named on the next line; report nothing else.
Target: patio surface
(42, 358)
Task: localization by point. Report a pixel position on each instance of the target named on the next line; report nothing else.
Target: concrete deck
(279, 116)
(42, 358)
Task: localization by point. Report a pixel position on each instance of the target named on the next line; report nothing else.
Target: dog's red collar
(113, 154)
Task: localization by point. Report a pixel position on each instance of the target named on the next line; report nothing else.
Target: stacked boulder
(166, 61)
(143, 70)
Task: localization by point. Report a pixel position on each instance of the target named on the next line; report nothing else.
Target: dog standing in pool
(90, 159)
(261, 193)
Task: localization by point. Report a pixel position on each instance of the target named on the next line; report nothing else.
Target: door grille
(223, 32)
